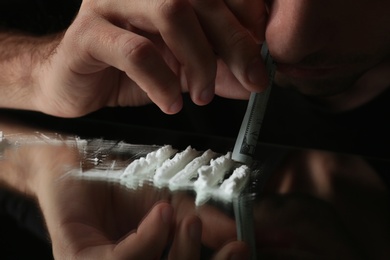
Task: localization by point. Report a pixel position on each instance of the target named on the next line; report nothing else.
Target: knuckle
(77, 37)
(171, 8)
(239, 38)
(138, 50)
(81, 28)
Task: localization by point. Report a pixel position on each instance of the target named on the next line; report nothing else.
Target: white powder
(97, 174)
(235, 183)
(165, 167)
(229, 189)
(144, 168)
(211, 175)
(81, 143)
(182, 180)
(172, 166)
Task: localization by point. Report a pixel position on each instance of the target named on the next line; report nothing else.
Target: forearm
(20, 60)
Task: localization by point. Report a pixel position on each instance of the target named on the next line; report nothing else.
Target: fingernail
(255, 73)
(176, 106)
(167, 214)
(207, 95)
(196, 231)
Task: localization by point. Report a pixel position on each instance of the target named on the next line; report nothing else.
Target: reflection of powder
(211, 175)
(236, 182)
(229, 189)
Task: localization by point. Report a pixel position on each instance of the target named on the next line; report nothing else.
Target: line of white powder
(165, 167)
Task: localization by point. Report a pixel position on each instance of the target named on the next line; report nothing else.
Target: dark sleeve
(37, 16)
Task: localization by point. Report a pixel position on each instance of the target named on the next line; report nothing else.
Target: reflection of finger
(251, 14)
(151, 237)
(218, 228)
(186, 244)
(131, 53)
(233, 250)
(233, 43)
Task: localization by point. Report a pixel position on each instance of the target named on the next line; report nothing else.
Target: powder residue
(235, 183)
(143, 169)
(209, 174)
(182, 180)
(171, 167)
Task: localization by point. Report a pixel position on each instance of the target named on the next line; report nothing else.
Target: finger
(233, 250)
(180, 29)
(186, 244)
(252, 15)
(233, 43)
(129, 52)
(177, 23)
(227, 85)
(153, 233)
(218, 228)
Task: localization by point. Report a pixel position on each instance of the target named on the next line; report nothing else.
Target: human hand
(90, 220)
(133, 52)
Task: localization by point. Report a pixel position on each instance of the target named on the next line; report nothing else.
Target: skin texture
(134, 52)
(316, 205)
(336, 52)
(126, 54)
(89, 220)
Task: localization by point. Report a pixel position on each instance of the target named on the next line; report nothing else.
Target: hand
(133, 52)
(89, 220)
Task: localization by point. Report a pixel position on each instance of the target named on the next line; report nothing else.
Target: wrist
(21, 61)
(42, 70)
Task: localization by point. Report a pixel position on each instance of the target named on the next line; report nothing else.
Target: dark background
(291, 120)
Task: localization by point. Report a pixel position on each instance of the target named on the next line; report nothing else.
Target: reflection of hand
(218, 227)
(81, 239)
(97, 220)
(147, 241)
(131, 52)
